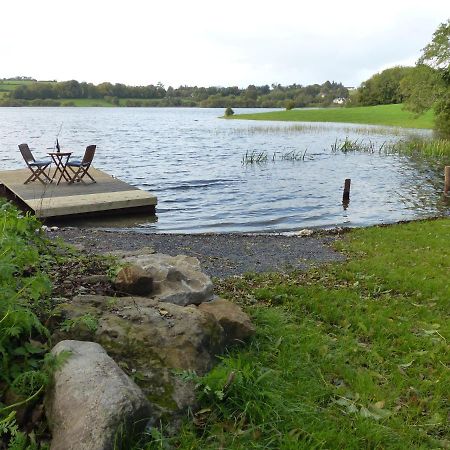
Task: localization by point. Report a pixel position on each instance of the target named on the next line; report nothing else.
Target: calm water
(193, 162)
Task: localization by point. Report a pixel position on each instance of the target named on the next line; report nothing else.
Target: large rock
(149, 338)
(132, 279)
(91, 399)
(235, 322)
(176, 279)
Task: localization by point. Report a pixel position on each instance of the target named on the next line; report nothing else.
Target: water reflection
(193, 162)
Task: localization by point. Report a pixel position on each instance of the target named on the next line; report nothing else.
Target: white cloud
(213, 43)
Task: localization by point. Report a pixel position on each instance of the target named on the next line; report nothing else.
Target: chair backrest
(89, 154)
(26, 153)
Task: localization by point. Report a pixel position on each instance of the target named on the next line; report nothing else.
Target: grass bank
(391, 115)
(351, 356)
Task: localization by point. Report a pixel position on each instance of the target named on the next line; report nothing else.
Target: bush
(289, 104)
(442, 120)
(229, 112)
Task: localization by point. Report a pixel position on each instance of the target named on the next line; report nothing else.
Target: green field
(391, 115)
(6, 86)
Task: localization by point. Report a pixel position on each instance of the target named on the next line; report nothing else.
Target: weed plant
(25, 366)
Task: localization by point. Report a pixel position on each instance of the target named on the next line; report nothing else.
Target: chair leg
(75, 175)
(36, 175)
(79, 174)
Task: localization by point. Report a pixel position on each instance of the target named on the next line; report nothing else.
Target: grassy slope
(392, 115)
(352, 356)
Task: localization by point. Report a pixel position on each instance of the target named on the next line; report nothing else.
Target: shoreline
(220, 255)
(225, 255)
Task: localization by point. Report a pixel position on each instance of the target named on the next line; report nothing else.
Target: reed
(312, 128)
(356, 145)
(262, 157)
(420, 146)
(254, 157)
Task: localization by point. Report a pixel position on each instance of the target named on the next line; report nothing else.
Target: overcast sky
(213, 43)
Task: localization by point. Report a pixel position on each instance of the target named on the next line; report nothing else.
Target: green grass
(85, 102)
(6, 86)
(351, 356)
(391, 115)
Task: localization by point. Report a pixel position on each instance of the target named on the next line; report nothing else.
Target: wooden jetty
(107, 195)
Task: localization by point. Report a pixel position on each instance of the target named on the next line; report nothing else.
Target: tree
(437, 53)
(430, 85)
(383, 88)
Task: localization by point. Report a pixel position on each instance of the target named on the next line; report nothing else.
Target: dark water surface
(192, 161)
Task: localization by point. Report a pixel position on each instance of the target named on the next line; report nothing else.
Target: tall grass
(350, 356)
(421, 146)
(356, 145)
(413, 146)
(313, 128)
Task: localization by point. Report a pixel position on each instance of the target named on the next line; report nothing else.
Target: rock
(305, 232)
(133, 279)
(302, 233)
(176, 279)
(235, 322)
(150, 339)
(91, 399)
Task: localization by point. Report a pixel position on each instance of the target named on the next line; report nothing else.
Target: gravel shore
(221, 255)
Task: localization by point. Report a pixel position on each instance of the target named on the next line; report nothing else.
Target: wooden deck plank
(51, 200)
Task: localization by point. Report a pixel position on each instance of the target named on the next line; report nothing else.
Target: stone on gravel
(176, 279)
(235, 322)
(91, 399)
(133, 279)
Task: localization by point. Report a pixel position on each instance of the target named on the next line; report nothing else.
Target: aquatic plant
(413, 145)
(356, 145)
(262, 157)
(420, 146)
(314, 128)
(254, 157)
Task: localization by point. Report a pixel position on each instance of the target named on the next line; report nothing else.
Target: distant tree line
(276, 95)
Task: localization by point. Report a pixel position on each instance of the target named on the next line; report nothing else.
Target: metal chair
(80, 168)
(37, 167)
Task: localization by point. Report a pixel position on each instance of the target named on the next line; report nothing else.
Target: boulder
(91, 398)
(176, 279)
(133, 279)
(235, 322)
(150, 339)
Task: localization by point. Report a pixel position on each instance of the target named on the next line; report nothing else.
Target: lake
(193, 162)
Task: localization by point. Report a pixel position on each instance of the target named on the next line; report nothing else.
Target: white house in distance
(339, 100)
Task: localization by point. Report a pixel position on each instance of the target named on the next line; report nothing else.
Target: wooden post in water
(346, 194)
(447, 180)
